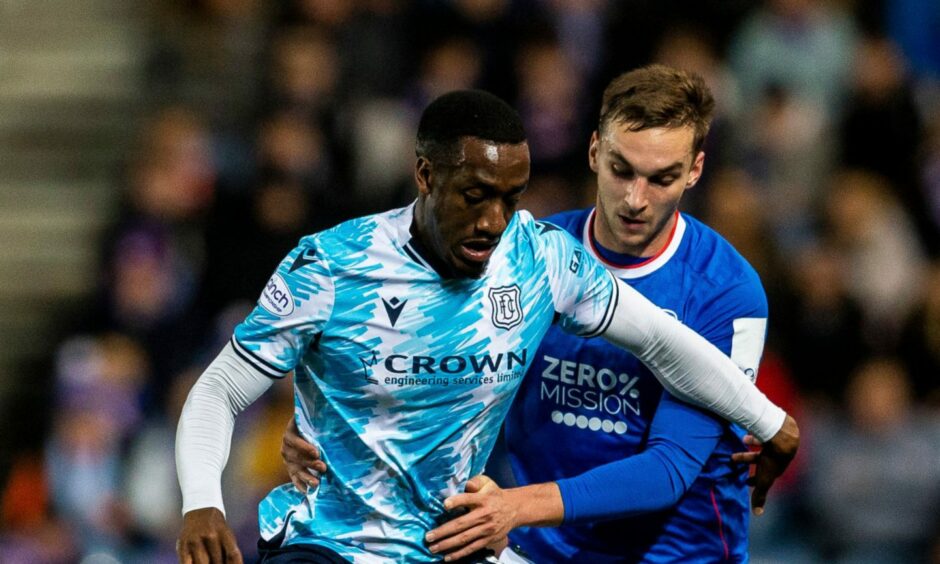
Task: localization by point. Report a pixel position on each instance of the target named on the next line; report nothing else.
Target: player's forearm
(689, 366)
(204, 435)
(538, 505)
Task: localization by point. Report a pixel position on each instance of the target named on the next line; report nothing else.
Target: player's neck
(421, 242)
(604, 239)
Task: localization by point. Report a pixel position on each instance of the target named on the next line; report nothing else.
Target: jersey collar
(648, 266)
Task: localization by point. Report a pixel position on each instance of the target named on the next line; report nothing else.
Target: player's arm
(294, 306)
(591, 301)
(203, 439)
(687, 365)
(693, 370)
(682, 438)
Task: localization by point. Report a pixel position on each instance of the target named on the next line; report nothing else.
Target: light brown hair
(659, 96)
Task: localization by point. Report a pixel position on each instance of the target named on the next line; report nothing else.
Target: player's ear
(698, 165)
(592, 151)
(423, 175)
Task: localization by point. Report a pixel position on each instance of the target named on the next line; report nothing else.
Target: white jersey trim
(650, 267)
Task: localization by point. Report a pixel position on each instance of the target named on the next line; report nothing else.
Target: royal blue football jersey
(401, 377)
(586, 403)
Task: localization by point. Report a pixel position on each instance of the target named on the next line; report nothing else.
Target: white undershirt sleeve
(204, 436)
(688, 366)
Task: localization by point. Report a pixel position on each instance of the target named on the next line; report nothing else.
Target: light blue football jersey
(401, 377)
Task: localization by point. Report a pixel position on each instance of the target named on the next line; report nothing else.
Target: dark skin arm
(301, 457)
(207, 539)
(770, 461)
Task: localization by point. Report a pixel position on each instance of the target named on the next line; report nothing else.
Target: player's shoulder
(710, 253)
(717, 262)
(571, 221)
(360, 233)
(545, 235)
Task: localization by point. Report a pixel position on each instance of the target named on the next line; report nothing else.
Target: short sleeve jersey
(402, 377)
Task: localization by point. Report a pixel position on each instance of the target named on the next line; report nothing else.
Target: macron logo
(393, 308)
(303, 259)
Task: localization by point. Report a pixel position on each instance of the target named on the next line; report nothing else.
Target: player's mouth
(477, 250)
(631, 224)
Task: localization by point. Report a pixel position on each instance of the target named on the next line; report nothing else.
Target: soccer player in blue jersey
(408, 333)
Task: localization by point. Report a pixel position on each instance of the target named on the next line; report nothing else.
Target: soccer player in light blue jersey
(408, 333)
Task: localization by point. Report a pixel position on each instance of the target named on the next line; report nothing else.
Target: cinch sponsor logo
(277, 298)
(580, 385)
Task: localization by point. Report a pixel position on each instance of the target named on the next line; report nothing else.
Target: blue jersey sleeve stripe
(260, 364)
(609, 312)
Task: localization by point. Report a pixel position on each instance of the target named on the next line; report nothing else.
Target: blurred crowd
(268, 120)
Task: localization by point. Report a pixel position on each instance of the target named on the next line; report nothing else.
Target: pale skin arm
(493, 512)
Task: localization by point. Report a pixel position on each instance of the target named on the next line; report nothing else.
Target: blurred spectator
(155, 254)
(692, 48)
(784, 145)
(98, 407)
(882, 129)
(929, 172)
(820, 324)
(552, 106)
(874, 477)
(205, 51)
(305, 70)
(802, 47)
(870, 229)
(732, 206)
(491, 25)
(149, 482)
(581, 29)
(792, 60)
(920, 341)
(249, 237)
(454, 63)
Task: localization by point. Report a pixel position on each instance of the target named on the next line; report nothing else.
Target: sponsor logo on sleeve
(575, 264)
(277, 298)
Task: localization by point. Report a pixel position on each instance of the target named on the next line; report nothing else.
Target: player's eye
(473, 198)
(663, 180)
(621, 170)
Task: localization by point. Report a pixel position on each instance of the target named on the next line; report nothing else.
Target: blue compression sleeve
(682, 438)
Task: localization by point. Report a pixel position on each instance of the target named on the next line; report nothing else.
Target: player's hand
(491, 515)
(770, 460)
(206, 539)
(301, 458)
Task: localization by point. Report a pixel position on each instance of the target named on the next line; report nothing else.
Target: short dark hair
(659, 96)
(466, 113)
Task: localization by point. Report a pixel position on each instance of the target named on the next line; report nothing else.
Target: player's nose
(494, 219)
(636, 194)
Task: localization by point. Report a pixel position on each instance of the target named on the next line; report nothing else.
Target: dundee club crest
(507, 308)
